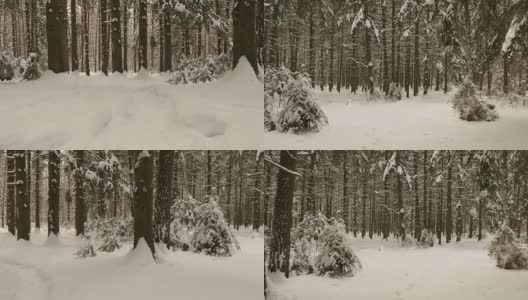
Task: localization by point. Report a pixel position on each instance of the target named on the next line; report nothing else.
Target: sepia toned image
(130, 74)
(396, 74)
(131, 225)
(398, 225)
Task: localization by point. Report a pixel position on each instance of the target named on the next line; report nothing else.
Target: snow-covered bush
(426, 239)
(212, 235)
(321, 246)
(183, 221)
(275, 81)
(192, 70)
(32, 71)
(107, 233)
(507, 251)
(469, 107)
(408, 241)
(86, 249)
(395, 92)
(301, 113)
(336, 258)
(7, 70)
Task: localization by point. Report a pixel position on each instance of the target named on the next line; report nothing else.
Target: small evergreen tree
(212, 234)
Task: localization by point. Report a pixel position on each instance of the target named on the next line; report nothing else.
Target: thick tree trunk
(53, 192)
(164, 197)
(282, 221)
(22, 202)
(244, 33)
(56, 29)
(143, 193)
(346, 203)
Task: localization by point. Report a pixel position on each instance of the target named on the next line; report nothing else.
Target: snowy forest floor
(123, 112)
(456, 271)
(422, 122)
(46, 270)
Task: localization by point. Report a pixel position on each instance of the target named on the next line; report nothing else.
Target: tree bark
(22, 201)
(53, 192)
(164, 197)
(74, 51)
(244, 33)
(56, 29)
(142, 35)
(80, 205)
(282, 221)
(143, 194)
(117, 48)
(11, 182)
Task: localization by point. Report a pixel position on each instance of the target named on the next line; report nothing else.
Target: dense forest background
(143, 189)
(417, 45)
(123, 35)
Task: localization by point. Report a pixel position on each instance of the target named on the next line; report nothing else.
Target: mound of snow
(141, 255)
(241, 75)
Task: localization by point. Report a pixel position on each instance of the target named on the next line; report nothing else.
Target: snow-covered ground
(73, 111)
(422, 122)
(457, 271)
(48, 270)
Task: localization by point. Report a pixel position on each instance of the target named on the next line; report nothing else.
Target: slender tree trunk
(449, 211)
(346, 203)
(74, 51)
(37, 189)
(142, 35)
(416, 84)
(446, 69)
(11, 182)
(53, 192)
(80, 205)
(167, 39)
(506, 81)
(23, 225)
(257, 197)
(228, 188)
(125, 35)
(117, 49)
(370, 65)
(385, 58)
(417, 227)
(311, 49)
(104, 36)
(86, 36)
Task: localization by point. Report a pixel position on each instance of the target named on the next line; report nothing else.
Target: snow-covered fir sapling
(212, 235)
(395, 92)
(306, 240)
(183, 221)
(106, 232)
(191, 70)
(32, 71)
(301, 113)
(426, 239)
(509, 253)
(336, 258)
(7, 71)
(468, 105)
(86, 249)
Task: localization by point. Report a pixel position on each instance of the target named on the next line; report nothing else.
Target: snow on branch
(269, 160)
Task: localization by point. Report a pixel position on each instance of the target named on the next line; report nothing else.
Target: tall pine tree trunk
(117, 49)
(167, 39)
(22, 202)
(143, 194)
(86, 36)
(80, 202)
(164, 196)
(244, 33)
(56, 29)
(142, 35)
(53, 192)
(11, 182)
(74, 51)
(282, 220)
(416, 84)
(104, 36)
